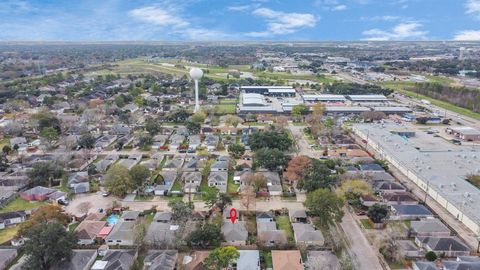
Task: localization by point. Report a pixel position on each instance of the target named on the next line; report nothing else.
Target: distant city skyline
(208, 20)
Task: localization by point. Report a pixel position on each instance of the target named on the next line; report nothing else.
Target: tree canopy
(43, 172)
(270, 139)
(318, 175)
(118, 180)
(87, 141)
(48, 244)
(206, 235)
(44, 214)
(221, 258)
(236, 150)
(270, 158)
(325, 205)
(139, 174)
(297, 168)
(378, 212)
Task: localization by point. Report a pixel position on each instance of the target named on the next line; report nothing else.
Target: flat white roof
(392, 109)
(466, 130)
(367, 97)
(281, 90)
(324, 97)
(266, 86)
(346, 109)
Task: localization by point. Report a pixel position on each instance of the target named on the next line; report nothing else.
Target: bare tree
(248, 198)
(84, 207)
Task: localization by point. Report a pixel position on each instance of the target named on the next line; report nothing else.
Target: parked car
(106, 194)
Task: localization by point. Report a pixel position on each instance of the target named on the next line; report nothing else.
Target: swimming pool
(112, 219)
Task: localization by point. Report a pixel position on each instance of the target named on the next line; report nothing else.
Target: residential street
(364, 254)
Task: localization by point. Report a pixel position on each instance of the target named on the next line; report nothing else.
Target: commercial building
(274, 91)
(323, 98)
(367, 98)
(464, 133)
(434, 164)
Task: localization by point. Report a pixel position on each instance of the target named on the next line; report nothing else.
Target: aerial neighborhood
(170, 157)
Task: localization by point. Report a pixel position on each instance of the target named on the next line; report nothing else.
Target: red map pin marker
(233, 214)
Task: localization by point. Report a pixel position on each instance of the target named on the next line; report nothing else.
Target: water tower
(196, 74)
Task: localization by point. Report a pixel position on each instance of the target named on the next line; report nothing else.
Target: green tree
(43, 172)
(378, 212)
(270, 158)
(50, 135)
(139, 174)
(352, 190)
(48, 244)
(153, 126)
(325, 205)
(233, 120)
(430, 256)
(206, 235)
(221, 258)
(270, 139)
(210, 197)
(236, 150)
(87, 141)
(44, 214)
(3, 162)
(46, 119)
(198, 117)
(145, 141)
(193, 127)
(181, 211)
(6, 149)
(223, 201)
(118, 181)
(318, 175)
(300, 110)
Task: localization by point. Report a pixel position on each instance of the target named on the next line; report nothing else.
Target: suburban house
(287, 260)
(116, 259)
(79, 182)
(248, 260)
(409, 212)
(297, 216)
(409, 249)
(220, 165)
(235, 233)
(399, 198)
(385, 187)
(12, 218)
(420, 265)
(193, 164)
(131, 161)
(161, 234)
(443, 246)
(218, 180)
(274, 184)
(193, 142)
(37, 193)
(324, 258)
(121, 234)
(159, 141)
(163, 217)
(81, 259)
(195, 260)
(120, 129)
(429, 227)
(191, 181)
(160, 260)
(268, 235)
(265, 217)
(211, 142)
(105, 163)
(175, 141)
(306, 234)
(88, 230)
(173, 164)
(104, 141)
(130, 215)
(168, 178)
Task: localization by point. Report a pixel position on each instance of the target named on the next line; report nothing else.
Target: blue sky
(198, 20)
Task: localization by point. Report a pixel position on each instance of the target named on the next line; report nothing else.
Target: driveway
(96, 200)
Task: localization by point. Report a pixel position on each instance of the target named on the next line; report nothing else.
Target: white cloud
(468, 35)
(402, 31)
(387, 18)
(239, 8)
(473, 7)
(282, 23)
(157, 16)
(339, 8)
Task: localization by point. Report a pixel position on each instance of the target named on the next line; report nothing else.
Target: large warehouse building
(435, 165)
(274, 91)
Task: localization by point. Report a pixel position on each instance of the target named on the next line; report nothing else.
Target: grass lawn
(366, 224)
(21, 204)
(149, 218)
(4, 142)
(401, 87)
(8, 233)
(73, 226)
(283, 223)
(177, 186)
(143, 198)
(225, 108)
(231, 186)
(267, 258)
